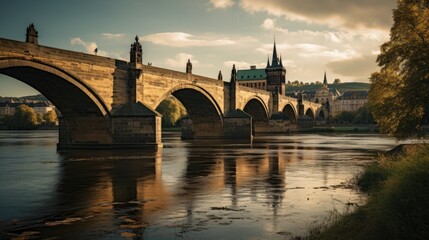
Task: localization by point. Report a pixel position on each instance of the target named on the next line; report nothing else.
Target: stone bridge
(111, 103)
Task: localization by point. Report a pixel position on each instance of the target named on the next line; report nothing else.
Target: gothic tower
(276, 74)
(136, 53)
(32, 35)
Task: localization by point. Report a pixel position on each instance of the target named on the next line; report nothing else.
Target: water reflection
(270, 189)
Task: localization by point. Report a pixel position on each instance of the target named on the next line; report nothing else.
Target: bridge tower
(276, 74)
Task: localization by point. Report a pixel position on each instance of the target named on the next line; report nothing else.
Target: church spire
(268, 61)
(275, 61)
(325, 81)
(281, 63)
(233, 74)
(219, 76)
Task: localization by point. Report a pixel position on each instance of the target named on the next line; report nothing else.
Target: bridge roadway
(111, 103)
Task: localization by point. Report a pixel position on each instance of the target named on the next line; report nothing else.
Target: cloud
(222, 3)
(113, 35)
(348, 14)
(359, 67)
(89, 46)
(269, 24)
(181, 39)
(180, 60)
(243, 65)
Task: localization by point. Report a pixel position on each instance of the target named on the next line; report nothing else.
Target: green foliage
(50, 118)
(399, 92)
(172, 110)
(23, 118)
(363, 116)
(344, 117)
(39, 117)
(373, 176)
(398, 207)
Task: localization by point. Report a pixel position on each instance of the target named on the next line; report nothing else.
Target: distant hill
(341, 87)
(38, 97)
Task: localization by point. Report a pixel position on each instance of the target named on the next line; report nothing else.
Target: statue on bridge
(189, 66)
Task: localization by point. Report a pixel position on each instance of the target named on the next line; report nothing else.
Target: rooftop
(251, 74)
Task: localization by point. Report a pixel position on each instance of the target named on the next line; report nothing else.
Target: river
(275, 188)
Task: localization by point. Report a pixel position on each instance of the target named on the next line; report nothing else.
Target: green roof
(251, 74)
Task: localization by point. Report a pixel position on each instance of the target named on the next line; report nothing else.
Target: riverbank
(398, 206)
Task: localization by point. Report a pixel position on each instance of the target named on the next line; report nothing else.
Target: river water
(276, 188)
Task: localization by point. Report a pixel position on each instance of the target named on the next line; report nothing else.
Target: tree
(344, 117)
(363, 116)
(337, 81)
(50, 117)
(23, 118)
(171, 110)
(399, 94)
(39, 117)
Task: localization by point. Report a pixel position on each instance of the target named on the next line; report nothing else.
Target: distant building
(253, 77)
(271, 78)
(350, 101)
(41, 107)
(8, 108)
(325, 94)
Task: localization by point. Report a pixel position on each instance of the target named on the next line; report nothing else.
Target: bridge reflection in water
(279, 184)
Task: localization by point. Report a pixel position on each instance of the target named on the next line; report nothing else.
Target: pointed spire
(268, 61)
(274, 62)
(325, 81)
(281, 63)
(233, 74)
(219, 76)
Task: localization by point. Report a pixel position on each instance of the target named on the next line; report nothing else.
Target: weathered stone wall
(95, 71)
(245, 94)
(159, 83)
(136, 130)
(84, 130)
(239, 128)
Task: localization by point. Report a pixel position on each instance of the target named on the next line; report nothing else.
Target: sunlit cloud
(89, 46)
(181, 39)
(180, 60)
(222, 3)
(269, 24)
(113, 35)
(348, 14)
(243, 64)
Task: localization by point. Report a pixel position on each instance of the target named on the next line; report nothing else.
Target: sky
(342, 37)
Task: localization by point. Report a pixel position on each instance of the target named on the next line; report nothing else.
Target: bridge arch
(290, 111)
(57, 85)
(310, 113)
(256, 108)
(203, 110)
(322, 114)
(83, 111)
